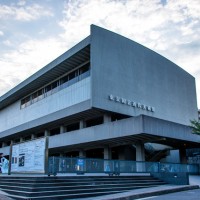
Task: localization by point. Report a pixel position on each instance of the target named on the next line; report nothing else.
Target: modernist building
(105, 97)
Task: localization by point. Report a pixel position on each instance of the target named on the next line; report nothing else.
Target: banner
(29, 156)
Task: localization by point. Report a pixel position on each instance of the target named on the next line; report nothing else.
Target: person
(3, 164)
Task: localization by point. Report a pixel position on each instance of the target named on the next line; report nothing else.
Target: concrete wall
(13, 116)
(126, 69)
(118, 129)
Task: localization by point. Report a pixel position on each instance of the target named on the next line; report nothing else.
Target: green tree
(195, 127)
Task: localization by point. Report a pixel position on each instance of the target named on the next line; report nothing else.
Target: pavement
(192, 191)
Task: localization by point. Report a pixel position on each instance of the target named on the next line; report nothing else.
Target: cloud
(1, 33)
(7, 43)
(17, 65)
(23, 13)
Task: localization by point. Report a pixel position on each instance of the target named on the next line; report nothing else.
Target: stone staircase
(72, 187)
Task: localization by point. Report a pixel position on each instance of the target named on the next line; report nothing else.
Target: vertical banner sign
(29, 156)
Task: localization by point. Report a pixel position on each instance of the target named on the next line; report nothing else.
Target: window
(34, 97)
(72, 75)
(23, 103)
(84, 71)
(85, 68)
(64, 79)
(55, 131)
(28, 101)
(54, 86)
(72, 127)
(94, 122)
(61, 83)
(48, 90)
(40, 94)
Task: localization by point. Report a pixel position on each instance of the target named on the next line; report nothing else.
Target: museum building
(106, 97)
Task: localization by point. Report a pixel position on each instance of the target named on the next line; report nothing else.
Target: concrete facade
(130, 95)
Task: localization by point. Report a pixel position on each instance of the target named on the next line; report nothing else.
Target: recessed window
(40, 94)
(48, 90)
(28, 101)
(34, 97)
(59, 84)
(72, 127)
(54, 86)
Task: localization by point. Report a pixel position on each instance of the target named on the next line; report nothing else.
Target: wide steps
(72, 187)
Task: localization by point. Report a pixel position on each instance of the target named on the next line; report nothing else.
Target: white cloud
(1, 33)
(23, 13)
(32, 55)
(21, 2)
(7, 43)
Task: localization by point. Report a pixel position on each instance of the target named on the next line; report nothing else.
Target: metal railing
(88, 165)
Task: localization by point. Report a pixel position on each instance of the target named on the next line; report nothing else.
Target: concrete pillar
(107, 153)
(140, 156)
(46, 133)
(82, 153)
(108, 167)
(140, 153)
(182, 155)
(106, 118)
(82, 124)
(21, 139)
(4, 144)
(32, 136)
(62, 129)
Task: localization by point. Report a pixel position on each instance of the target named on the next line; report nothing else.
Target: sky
(35, 32)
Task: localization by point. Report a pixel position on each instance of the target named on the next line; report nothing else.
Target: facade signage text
(130, 103)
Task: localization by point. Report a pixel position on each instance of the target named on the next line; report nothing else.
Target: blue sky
(35, 32)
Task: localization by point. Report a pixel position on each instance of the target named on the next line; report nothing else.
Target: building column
(107, 153)
(4, 144)
(62, 129)
(106, 118)
(140, 153)
(46, 133)
(82, 154)
(182, 155)
(82, 124)
(32, 136)
(107, 163)
(21, 139)
(140, 157)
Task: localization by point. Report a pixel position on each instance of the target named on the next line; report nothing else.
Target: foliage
(195, 127)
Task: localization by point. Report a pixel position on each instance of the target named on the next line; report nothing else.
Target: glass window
(40, 94)
(72, 75)
(64, 79)
(23, 103)
(34, 97)
(63, 82)
(28, 101)
(85, 68)
(54, 86)
(48, 90)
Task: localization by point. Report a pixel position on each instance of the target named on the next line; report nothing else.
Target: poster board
(29, 157)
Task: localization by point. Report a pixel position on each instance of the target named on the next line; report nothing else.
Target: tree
(195, 127)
